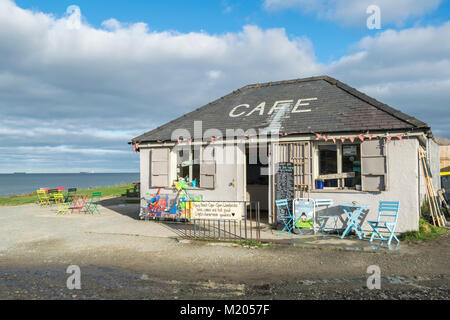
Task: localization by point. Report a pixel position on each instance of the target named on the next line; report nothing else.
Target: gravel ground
(122, 258)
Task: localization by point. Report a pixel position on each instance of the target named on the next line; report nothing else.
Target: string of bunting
(362, 137)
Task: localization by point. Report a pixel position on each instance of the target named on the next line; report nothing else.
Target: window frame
(175, 153)
(339, 154)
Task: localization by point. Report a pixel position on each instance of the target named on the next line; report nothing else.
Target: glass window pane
(328, 163)
(327, 159)
(351, 162)
(195, 175)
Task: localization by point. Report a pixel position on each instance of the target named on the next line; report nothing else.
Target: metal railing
(248, 228)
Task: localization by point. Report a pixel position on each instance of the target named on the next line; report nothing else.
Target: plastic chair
(389, 223)
(323, 220)
(43, 197)
(91, 205)
(287, 219)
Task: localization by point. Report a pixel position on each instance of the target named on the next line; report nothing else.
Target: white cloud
(96, 88)
(408, 69)
(353, 12)
(99, 87)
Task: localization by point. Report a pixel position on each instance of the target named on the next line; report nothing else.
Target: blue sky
(76, 87)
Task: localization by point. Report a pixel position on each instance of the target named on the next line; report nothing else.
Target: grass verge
(17, 200)
(426, 232)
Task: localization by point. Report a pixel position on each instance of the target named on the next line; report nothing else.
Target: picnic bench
(134, 192)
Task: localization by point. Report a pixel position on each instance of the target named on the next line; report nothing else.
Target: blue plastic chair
(287, 219)
(389, 223)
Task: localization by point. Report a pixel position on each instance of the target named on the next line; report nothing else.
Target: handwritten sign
(218, 210)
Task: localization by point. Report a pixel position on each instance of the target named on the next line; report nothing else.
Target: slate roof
(338, 108)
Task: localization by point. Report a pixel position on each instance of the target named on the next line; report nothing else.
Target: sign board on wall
(218, 210)
(284, 186)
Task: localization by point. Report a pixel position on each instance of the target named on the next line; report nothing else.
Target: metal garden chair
(389, 223)
(63, 207)
(69, 196)
(43, 197)
(92, 204)
(287, 218)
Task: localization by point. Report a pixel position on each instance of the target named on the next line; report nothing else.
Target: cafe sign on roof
(301, 105)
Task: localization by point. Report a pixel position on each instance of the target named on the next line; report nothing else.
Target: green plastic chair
(92, 204)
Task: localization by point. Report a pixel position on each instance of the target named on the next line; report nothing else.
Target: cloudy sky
(79, 79)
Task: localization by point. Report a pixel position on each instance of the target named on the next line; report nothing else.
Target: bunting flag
(135, 147)
(361, 137)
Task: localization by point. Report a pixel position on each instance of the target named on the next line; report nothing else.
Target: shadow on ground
(121, 206)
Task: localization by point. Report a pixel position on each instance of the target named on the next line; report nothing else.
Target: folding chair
(63, 207)
(91, 205)
(392, 207)
(323, 219)
(44, 200)
(287, 218)
(69, 196)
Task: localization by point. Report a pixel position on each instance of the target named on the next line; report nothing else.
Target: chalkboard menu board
(284, 185)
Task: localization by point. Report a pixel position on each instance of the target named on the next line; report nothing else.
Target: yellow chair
(63, 207)
(43, 197)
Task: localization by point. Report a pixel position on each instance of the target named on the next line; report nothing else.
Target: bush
(426, 232)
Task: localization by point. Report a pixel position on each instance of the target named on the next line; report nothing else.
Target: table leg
(353, 224)
(83, 205)
(74, 201)
(349, 216)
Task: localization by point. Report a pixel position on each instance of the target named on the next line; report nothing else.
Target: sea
(19, 183)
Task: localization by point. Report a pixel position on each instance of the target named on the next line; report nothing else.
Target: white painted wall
(229, 184)
(403, 186)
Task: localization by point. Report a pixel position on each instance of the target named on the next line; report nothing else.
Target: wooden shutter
(207, 169)
(373, 165)
(159, 167)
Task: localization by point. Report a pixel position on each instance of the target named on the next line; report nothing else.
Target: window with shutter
(159, 167)
(373, 165)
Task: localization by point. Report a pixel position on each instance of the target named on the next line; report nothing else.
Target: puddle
(395, 280)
